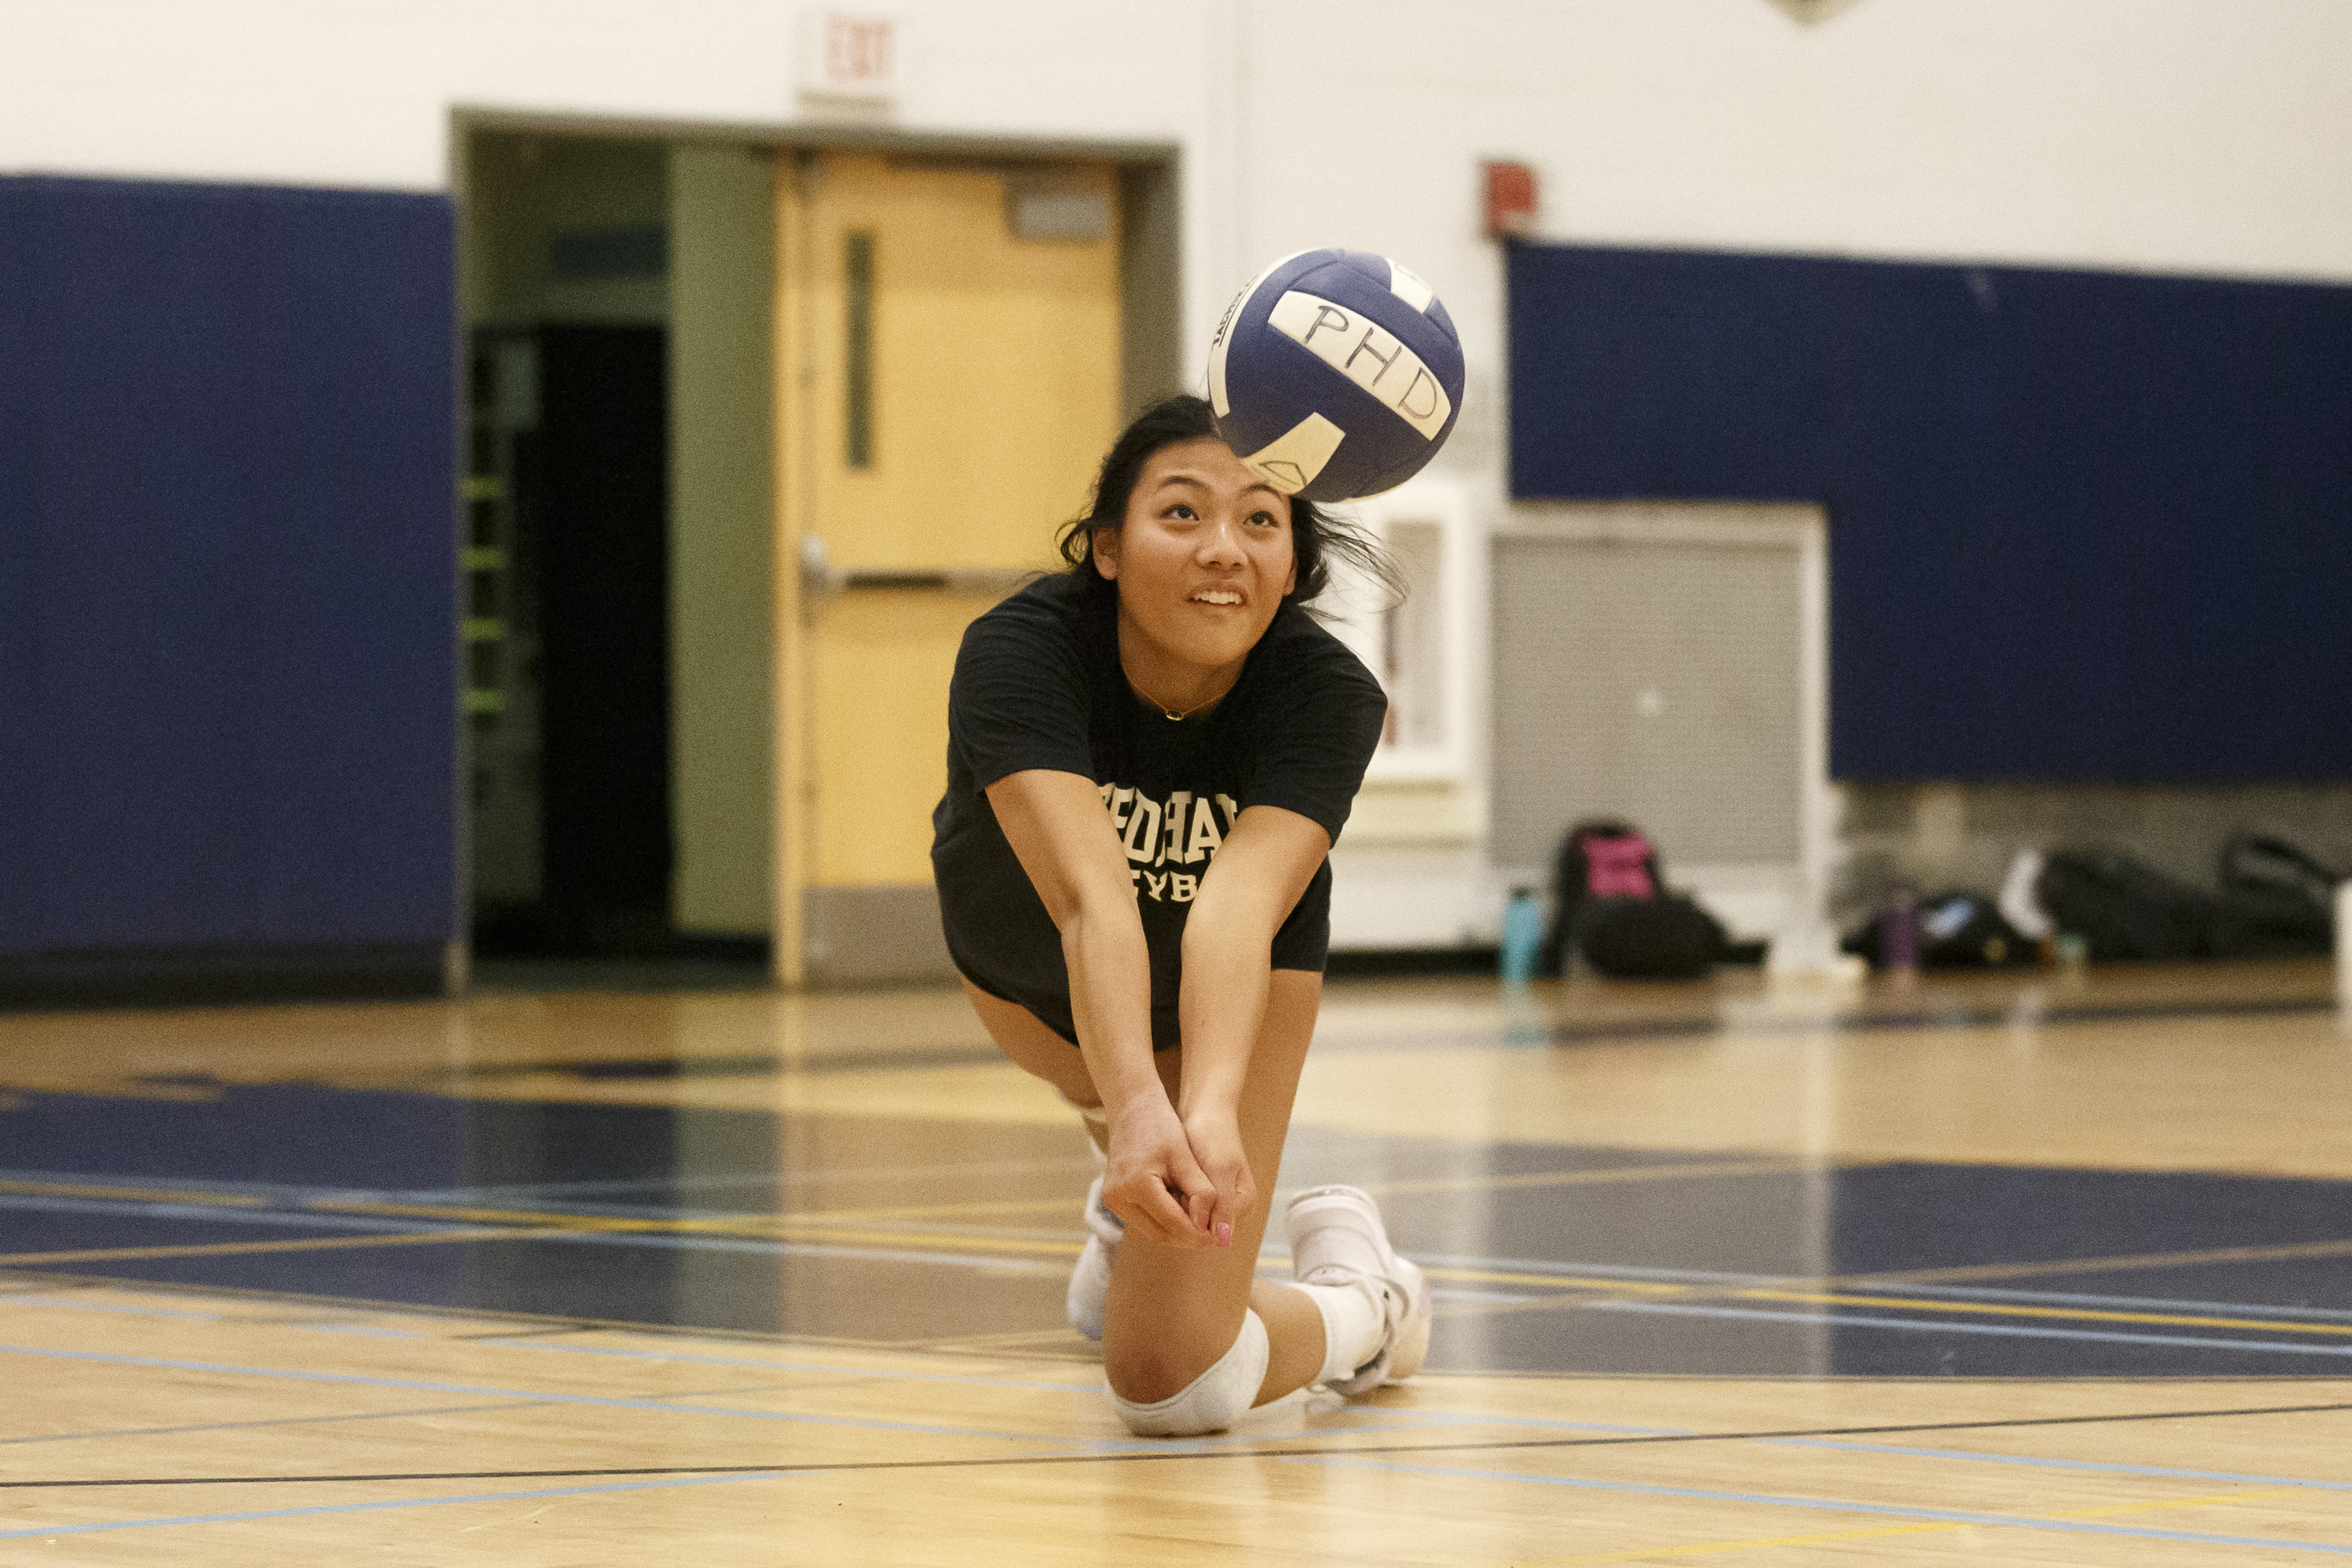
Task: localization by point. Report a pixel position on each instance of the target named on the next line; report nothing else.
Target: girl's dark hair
(1317, 537)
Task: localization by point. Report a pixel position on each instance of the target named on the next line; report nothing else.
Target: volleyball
(1335, 374)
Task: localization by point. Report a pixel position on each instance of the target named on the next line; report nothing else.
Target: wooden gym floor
(2011, 1268)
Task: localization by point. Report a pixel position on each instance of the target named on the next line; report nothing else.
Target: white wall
(2162, 134)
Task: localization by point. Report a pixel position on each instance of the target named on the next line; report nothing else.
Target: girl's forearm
(1111, 1002)
(1221, 1005)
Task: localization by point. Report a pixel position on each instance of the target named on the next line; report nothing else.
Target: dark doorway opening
(577, 752)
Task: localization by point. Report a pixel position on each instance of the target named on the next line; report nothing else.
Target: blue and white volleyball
(1335, 374)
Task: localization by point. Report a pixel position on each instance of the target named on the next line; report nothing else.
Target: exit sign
(850, 56)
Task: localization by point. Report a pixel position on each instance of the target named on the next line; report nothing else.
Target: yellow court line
(759, 1227)
(496, 1216)
(720, 1225)
(140, 1195)
(1560, 1281)
(900, 1240)
(2114, 1265)
(1616, 1173)
(231, 1248)
(929, 1211)
(1758, 1544)
(2081, 1314)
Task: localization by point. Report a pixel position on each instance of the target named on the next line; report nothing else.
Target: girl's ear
(1106, 553)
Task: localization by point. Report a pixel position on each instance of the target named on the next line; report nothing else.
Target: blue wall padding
(19, 849)
(226, 576)
(2084, 525)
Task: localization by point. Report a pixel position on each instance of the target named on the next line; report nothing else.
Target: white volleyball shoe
(1090, 1280)
(1336, 1238)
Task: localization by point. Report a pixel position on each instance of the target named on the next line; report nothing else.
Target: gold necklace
(1167, 712)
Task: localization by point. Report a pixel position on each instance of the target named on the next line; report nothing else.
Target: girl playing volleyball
(1150, 757)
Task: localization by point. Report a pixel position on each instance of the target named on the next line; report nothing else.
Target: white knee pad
(1211, 1402)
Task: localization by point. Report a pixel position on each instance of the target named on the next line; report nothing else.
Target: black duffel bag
(2122, 908)
(2279, 895)
(1664, 937)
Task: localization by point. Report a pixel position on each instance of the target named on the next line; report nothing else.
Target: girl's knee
(1147, 1369)
(1210, 1400)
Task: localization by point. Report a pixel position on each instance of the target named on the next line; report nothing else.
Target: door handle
(821, 580)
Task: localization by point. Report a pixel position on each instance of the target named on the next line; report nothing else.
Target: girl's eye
(1264, 519)
(1181, 510)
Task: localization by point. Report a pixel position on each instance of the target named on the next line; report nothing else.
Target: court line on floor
(306, 1204)
(2063, 1523)
(1358, 1457)
(1595, 1176)
(751, 1228)
(1754, 1544)
(2118, 1264)
(1009, 1259)
(2083, 1523)
(1718, 1282)
(86, 1190)
(771, 1179)
(2020, 1310)
(1216, 1447)
(1609, 1174)
(343, 1208)
(2035, 1461)
(1116, 1450)
(2059, 1523)
(47, 1531)
(771, 1231)
(1587, 1303)
(1566, 1302)
(167, 1364)
(237, 1249)
(277, 1421)
(2011, 1330)
(1578, 1303)
(1954, 1018)
(2066, 1297)
(624, 1352)
(259, 1215)
(1750, 1287)
(34, 1297)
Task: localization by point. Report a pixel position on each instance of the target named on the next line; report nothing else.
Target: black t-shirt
(1038, 684)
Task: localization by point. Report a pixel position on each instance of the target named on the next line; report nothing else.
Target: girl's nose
(1221, 541)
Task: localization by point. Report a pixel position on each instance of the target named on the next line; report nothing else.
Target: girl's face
(1202, 561)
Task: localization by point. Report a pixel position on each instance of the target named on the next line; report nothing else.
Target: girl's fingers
(1231, 1205)
(1201, 1208)
(1162, 1212)
(1200, 1196)
(1234, 1197)
(1171, 1217)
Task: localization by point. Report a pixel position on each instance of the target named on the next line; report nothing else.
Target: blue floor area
(660, 1217)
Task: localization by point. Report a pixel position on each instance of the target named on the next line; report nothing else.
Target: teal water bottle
(1522, 934)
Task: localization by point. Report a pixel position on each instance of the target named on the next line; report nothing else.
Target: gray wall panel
(1657, 682)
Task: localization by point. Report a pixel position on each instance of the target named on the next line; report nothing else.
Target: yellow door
(945, 391)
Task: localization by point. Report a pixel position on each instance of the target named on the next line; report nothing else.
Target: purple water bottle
(1898, 931)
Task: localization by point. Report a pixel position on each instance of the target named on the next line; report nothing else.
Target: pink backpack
(1613, 905)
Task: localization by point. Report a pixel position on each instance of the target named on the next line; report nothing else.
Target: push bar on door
(820, 579)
